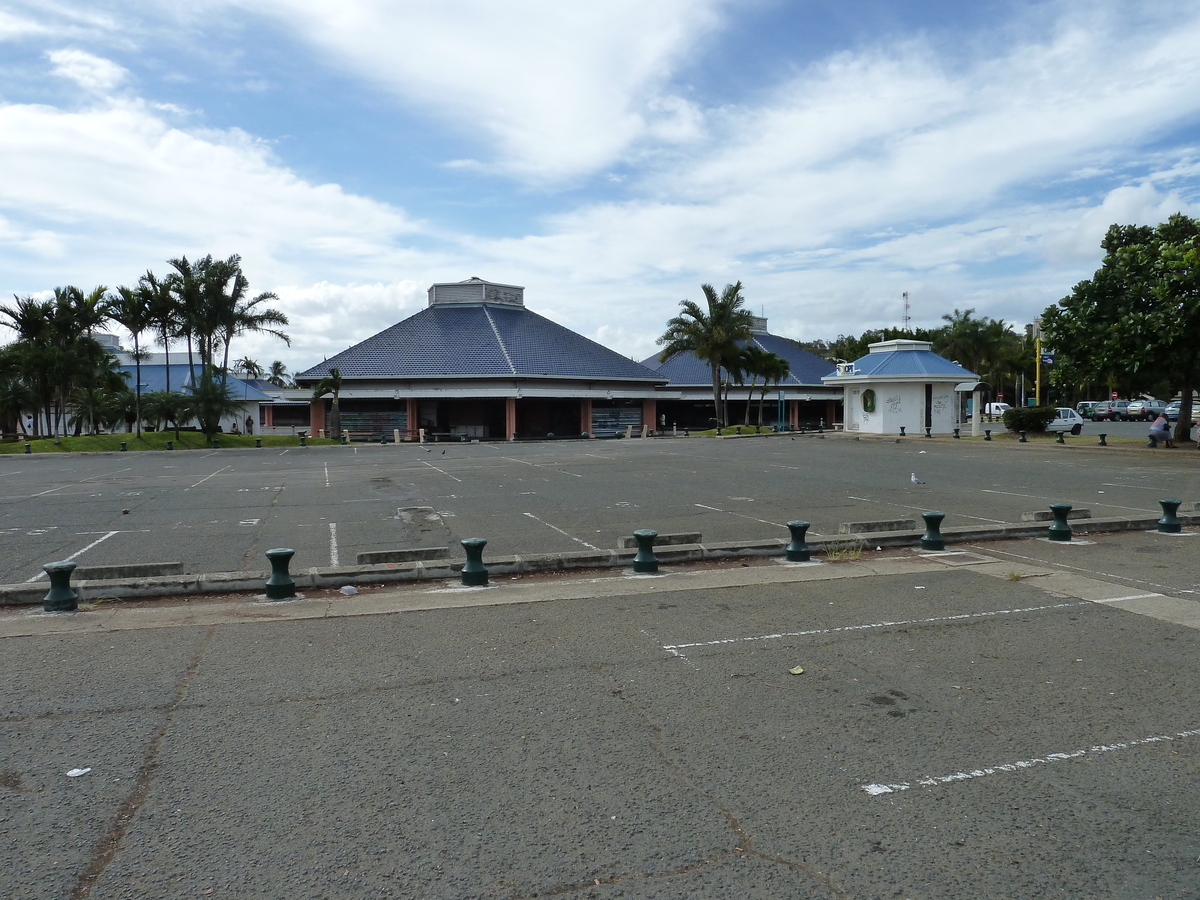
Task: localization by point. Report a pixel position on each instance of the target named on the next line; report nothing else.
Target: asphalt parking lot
(1000, 721)
(219, 511)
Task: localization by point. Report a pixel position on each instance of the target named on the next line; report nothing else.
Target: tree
(279, 374)
(209, 401)
(249, 367)
(712, 334)
(130, 309)
(164, 313)
(331, 384)
(238, 313)
(161, 407)
(754, 362)
(774, 369)
(1139, 315)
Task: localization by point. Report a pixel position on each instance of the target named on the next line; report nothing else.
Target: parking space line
(42, 574)
(540, 466)
(564, 533)
(1047, 499)
(333, 547)
(878, 790)
(205, 478)
(907, 506)
(932, 620)
(742, 515)
(443, 471)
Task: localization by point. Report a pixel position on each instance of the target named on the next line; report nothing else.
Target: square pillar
(650, 414)
(316, 417)
(585, 417)
(510, 418)
(413, 413)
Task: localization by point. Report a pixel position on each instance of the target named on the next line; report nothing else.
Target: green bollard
(956, 431)
(123, 447)
(987, 434)
(932, 538)
(258, 442)
(280, 585)
(1169, 523)
(170, 445)
(28, 448)
(1022, 439)
(216, 444)
(345, 440)
(797, 550)
(303, 441)
(474, 573)
(1103, 442)
(1061, 439)
(645, 562)
(1060, 530)
(901, 431)
(928, 432)
(61, 598)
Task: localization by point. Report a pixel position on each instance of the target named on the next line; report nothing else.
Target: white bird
(915, 479)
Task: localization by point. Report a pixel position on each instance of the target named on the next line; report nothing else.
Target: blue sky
(609, 157)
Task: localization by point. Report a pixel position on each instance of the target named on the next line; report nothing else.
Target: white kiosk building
(900, 384)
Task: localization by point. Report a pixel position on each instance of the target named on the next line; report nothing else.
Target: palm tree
(331, 384)
(130, 309)
(753, 361)
(164, 313)
(279, 374)
(239, 313)
(162, 407)
(209, 401)
(711, 334)
(249, 367)
(775, 368)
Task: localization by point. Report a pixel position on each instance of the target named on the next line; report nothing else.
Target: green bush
(1029, 418)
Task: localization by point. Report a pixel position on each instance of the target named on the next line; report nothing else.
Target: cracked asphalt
(979, 724)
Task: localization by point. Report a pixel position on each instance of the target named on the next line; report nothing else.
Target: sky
(609, 157)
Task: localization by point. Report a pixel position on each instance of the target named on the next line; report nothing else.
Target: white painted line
(286, 451)
(560, 531)
(1129, 597)
(205, 478)
(333, 551)
(1058, 565)
(923, 508)
(540, 466)
(443, 471)
(876, 790)
(742, 515)
(930, 621)
(1045, 500)
(42, 574)
(326, 474)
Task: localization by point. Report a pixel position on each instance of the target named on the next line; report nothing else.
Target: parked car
(996, 409)
(1111, 411)
(1086, 407)
(1172, 411)
(1066, 419)
(1145, 409)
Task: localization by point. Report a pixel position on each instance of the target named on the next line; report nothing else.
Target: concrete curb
(34, 593)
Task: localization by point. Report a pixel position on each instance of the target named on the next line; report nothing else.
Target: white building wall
(899, 404)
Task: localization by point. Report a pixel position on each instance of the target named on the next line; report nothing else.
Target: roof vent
(476, 290)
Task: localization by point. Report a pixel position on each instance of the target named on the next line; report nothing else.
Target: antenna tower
(906, 316)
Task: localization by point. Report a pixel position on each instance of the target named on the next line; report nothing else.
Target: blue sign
(1047, 359)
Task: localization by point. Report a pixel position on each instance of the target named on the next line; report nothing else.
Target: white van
(996, 409)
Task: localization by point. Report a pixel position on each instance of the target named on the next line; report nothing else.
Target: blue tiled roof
(909, 362)
(688, 370)
(478, 341)
(154, 378)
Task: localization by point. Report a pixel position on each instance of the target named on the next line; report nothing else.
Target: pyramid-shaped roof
(459, 336)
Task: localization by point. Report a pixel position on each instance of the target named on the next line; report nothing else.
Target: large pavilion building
(476, 364)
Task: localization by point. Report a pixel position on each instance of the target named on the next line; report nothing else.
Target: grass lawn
(153, 440)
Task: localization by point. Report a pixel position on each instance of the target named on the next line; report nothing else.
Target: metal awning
(970, 387)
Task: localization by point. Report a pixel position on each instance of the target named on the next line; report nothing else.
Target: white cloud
(548, 90)
(92, 73)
